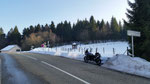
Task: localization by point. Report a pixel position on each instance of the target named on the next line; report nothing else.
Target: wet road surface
(12, 74)
(29, 68)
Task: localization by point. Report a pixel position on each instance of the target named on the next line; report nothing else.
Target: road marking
(65, 72)
(31, 57)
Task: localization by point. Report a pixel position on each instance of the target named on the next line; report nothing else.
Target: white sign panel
(133, 33)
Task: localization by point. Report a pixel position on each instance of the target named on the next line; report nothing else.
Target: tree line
(64, 32)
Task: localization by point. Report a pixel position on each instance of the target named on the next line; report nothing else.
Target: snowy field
(105, 49)
(108, 51)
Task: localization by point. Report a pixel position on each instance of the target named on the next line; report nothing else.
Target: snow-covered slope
(8, 47)
(133, 65)
(105, 49)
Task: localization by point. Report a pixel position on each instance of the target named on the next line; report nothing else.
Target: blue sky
(24, 13)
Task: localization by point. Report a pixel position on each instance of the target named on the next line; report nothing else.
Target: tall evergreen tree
(3, 40)
(52, 26)
(32, 29)
(139, 20)
(14, 37)
(93, 23)
(1, 31)
(47, 28)
(108, 26)
(103, 26)
(114, 25)
(17, 36)
(37, 28)
(93, 28)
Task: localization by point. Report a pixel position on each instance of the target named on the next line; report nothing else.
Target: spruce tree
(114, 25)
(3, 40)
(139, 20)
(14, 37)
(37, 28)
(1, 31)
(93, 24)
(52, 26)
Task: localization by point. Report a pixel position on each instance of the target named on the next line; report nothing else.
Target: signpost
(133, 34)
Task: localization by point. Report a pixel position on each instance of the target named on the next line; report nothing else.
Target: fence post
(84, 49)
(68, 50)
(103, 50)
(96, 50)
(90, 49)
(113, 50)
(127, 51)
(79, 49)
(56, 49)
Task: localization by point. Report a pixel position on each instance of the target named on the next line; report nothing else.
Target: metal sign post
(48, 45)
(132, 46)
(133, 34)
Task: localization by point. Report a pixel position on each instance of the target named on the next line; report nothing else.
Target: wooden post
(96, 50)
(79, 49)
(113, 50)
(90, 49)
(127, 51)
(103, 50)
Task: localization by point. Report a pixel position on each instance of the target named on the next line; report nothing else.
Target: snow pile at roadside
(133, 65)
(72, 55)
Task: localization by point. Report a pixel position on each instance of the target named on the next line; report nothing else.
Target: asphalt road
(46, 69)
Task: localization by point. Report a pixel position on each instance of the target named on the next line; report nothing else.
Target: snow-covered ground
(8, 47)
(105, 49)
(108, 51)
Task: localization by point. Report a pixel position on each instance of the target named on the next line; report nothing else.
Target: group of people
(43, 45)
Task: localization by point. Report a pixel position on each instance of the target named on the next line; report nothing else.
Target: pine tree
(93, 28)
(14, 37)
(32, 29)
(17, 36)
(114, 25)
(37, 28)
(93, 24)
(52, 26)
(47, 28)
(3, 40)
(139, 20)
(103, 27)
(1, 31)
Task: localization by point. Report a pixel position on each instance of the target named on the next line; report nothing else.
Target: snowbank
(133, 65)
(71, 55)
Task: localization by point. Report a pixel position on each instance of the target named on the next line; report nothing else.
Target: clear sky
(24, 13)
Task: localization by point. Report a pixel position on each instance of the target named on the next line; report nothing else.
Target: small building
(11, 49)
(74, 45)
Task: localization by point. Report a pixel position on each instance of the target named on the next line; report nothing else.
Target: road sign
(133, 34)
